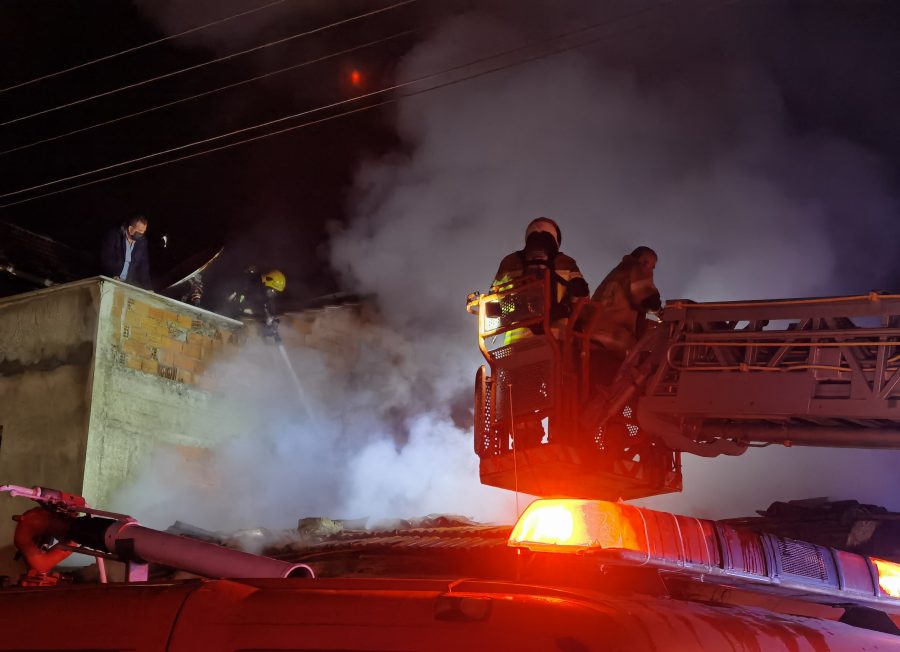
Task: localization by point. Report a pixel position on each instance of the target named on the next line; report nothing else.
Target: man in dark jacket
(124, 255)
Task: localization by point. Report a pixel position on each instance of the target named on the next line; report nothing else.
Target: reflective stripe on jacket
(563, 269)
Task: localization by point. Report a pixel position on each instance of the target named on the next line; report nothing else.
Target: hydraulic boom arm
(808, 372)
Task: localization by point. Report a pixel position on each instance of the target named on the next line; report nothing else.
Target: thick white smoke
(704, 168)
(368, 450)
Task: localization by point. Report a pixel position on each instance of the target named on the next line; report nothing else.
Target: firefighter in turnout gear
(542, 254)
(256, 299)
(617, 316)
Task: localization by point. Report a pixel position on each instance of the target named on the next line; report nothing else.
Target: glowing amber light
(550, 524)
(355, 77)
(888, 576)
(569, 525)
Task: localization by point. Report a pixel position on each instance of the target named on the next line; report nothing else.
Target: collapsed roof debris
(844, 524)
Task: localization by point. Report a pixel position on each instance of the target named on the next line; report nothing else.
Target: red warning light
(888, 576)
(356, 77)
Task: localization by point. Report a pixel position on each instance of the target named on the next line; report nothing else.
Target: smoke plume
(703, 164)
(690, 149)
(344, 456)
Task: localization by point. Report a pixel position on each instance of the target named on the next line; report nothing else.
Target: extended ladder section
(812, 372)
(709, 379)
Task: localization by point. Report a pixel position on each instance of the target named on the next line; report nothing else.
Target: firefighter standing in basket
(256, 299)
(541, 254)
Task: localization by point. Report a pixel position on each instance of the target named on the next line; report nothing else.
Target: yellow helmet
(275, 280)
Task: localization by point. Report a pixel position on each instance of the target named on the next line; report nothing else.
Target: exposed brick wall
(163, 340)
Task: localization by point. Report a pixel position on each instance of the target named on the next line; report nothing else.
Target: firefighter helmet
(539, 224)
(275, 280)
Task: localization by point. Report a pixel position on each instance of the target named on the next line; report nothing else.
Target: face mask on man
(137, 235)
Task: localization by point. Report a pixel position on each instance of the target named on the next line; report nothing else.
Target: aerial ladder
(708, 379)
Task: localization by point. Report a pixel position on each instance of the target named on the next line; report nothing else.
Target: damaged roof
(845, 525)
(449, 545)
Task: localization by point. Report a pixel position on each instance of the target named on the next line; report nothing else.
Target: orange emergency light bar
(568, 525)
(712, 551)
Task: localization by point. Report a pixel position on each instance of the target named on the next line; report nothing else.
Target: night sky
(270, 202)
(274, 202)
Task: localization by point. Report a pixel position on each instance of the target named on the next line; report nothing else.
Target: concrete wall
(94, 377)
(47, 342)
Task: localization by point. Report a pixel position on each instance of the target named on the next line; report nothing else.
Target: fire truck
(580, 570)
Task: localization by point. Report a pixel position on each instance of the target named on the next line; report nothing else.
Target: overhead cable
(227, 57)
(142, 46)
(182, 100)
(332, 105)
(392, 100)
(196, 154)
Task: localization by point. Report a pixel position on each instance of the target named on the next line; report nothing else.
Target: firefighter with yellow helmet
(256, 299)
(274, 280)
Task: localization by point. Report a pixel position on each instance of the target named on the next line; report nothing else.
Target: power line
(227, 57)
(332, 105)
(201, 153)
(142, 46)
(182, 100)
(453, 82)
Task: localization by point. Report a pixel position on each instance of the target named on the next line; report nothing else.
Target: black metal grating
(624, 430)
(527, 303)
(487, 439)
(502, 353)
(530, 388)
(803, 559)
(519, 346)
